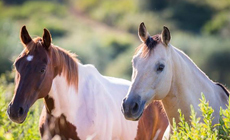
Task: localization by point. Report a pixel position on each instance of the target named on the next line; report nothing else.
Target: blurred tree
(118, 48)
(153, 5)
(11, 2)
(56, 31)
(5, 64)
(219, 24)
(218, 65)
(190, 16)
(16, 2)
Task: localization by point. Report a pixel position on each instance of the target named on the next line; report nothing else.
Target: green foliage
(200, 130)
(111, 14)
(218, 65)
(218, 5)
(219, 21)
(32, 9)
(10, 131)
(153, 5)
(194, 17)
(224, 127)
(106, 11)
(8, 44)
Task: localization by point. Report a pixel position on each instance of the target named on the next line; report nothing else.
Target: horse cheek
(47, 84)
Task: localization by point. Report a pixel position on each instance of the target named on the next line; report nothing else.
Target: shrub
(224, 127)
(199, 130)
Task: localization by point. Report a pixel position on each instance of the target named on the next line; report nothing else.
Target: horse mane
(145, 51)
(35, 43)
(149, 44)
(66, 61)
(224, 88)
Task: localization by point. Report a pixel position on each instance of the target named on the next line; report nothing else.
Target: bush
(199, 130)
(224, 128)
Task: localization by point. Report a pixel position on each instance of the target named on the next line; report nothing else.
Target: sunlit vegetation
(202, 128)
(9, 130)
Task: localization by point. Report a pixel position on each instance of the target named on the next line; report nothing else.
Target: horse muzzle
(17, 113)
(132, 108)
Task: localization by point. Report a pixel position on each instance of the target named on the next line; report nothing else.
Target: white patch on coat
(166, 135)
(29, 57)
(157, 134)
(95, 108)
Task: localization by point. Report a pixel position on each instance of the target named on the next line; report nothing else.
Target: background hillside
(104, 33)
(96, 29)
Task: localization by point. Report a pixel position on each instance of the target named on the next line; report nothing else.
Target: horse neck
(72, 98)
(188, 82)
(184, 69)
(63, 96)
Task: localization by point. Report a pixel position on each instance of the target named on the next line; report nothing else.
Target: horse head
(34, 74)
(152, 72)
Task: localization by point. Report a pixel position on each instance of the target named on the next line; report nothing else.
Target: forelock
(150, 44)
(33, 45)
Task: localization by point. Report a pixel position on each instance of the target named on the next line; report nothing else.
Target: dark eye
(42, 70)
(160, 67)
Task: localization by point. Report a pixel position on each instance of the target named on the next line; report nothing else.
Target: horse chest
(51, 127)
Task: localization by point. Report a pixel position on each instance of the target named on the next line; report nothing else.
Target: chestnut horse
(80, 103)
(163, 72)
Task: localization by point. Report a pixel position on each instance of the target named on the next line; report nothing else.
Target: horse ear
(165, 35)
(47, 39)
(142, 32)
(24, 36)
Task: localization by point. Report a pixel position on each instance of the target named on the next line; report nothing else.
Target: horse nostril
(21, 111)
(135, 108)
(123, 109)
(123, 100)
(8, 110)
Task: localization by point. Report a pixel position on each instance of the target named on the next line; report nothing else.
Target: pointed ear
(165, 35)
(47, 39)
(24, 36)
(143, 33)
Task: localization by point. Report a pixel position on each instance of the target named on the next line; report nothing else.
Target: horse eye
(42, 70)
(160, 68)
